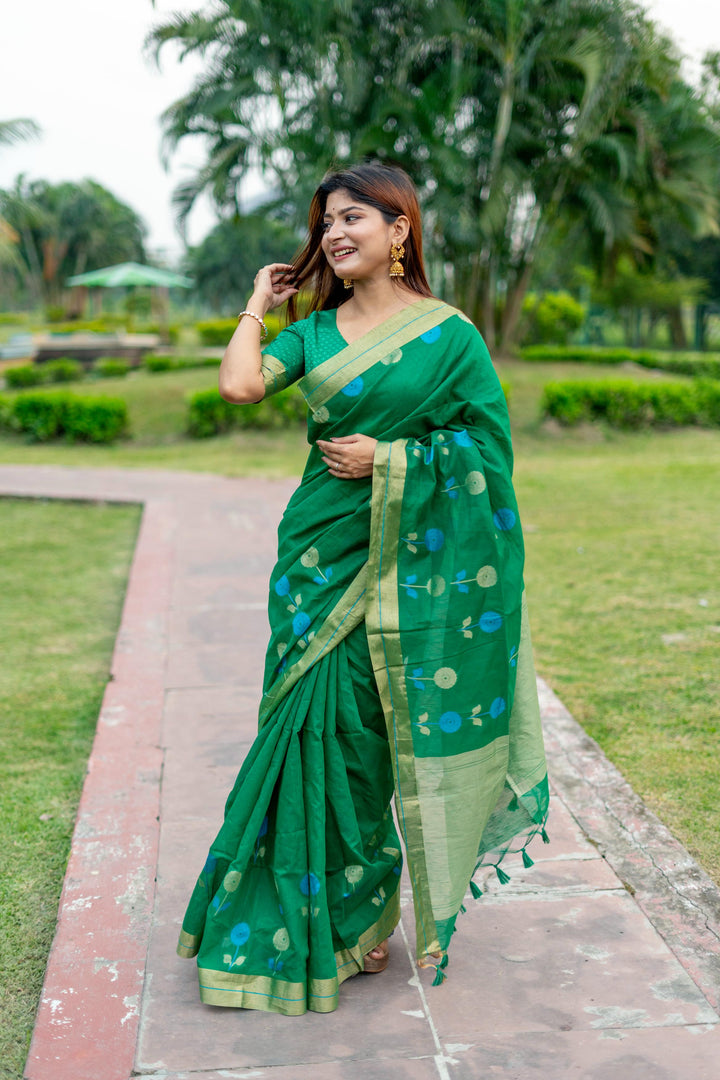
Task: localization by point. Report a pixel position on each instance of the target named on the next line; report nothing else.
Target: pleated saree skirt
(303, 878)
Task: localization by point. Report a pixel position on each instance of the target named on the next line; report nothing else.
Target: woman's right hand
(272, 288)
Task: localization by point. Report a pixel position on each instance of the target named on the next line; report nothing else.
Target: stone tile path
(602, 962)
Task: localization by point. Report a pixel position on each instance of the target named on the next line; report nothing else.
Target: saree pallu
(399, 661)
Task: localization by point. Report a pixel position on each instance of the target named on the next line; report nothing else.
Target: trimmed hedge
(219, 331)
(23, 375)
(64, 369)
(209, 413)
(696, 363)
(52, 415)
(626, 404)
(111, 367)
(154, 362)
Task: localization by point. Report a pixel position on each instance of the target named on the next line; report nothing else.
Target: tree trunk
(513, 307)
(677, 328)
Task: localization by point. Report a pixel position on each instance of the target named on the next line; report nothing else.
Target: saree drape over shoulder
(399, 663)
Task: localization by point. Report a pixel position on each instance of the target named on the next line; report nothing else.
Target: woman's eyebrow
(344, 211)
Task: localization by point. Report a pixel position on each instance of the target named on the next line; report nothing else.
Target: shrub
(554, 316)
(40, 416)
(626, 404)
(95, 419)
(217, 332)
(111, 367)
(151, 362)
(64, 369)
(23, 375)
(704, 364)
(13, 318)
(6, 409)
(209, 413)
(49, 415)
(155, 362)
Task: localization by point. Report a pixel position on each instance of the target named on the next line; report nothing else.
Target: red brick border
(87, 1022)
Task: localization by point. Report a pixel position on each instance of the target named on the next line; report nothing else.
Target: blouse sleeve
(283, 360)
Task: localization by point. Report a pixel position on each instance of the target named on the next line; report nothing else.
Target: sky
(77, 68)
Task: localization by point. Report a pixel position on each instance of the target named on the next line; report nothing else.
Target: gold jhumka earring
(396, 253)
(348, 282)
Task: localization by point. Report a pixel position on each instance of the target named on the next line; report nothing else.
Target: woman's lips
(343, 253)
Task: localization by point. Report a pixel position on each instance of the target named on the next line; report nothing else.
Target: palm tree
(509, 114)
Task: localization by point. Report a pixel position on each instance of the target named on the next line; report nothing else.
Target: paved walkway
(602, 962)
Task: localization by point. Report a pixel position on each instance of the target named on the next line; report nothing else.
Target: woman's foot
(377, 959)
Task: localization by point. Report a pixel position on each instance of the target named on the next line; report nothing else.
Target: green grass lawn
(63, 571)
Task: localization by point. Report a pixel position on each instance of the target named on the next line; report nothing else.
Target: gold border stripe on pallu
(382, 621)
(327, 379)
(348, 613)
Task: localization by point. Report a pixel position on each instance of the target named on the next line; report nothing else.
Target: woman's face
(357, 238)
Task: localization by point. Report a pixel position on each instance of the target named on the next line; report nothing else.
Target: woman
(400, 658)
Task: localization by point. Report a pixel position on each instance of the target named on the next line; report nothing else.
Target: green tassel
(463, 908)
(475, 890)
(545, 837)
(527, 861)
(503, 878)
(440, 976)
(445, 961)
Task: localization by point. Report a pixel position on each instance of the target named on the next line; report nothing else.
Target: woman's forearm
(240, 379)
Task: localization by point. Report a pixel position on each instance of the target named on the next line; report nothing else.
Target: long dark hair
(391, 191)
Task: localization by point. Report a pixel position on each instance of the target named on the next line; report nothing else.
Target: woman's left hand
(349, 457)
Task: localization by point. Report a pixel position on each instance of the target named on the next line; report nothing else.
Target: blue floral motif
(310, 884)
(210, 864)
(323, 578)
(461, 581)
(274, 964)
(300, 623)
(410, 580)
(353, 388)
(239, 934)
(217, 905)
(282, 586)
(514, 656)
(490, 621)
(434, 539)
(431, 336)
(451, 487)
(504, 518)
(417, 675)
(450, 721)
(461, 438)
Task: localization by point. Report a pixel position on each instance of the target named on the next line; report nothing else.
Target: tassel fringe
(527, 861)
(475, 890)
(545, 837)
(503, 878)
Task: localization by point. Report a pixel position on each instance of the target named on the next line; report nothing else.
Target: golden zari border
(382, 622)
(231, 989)
(274, 374)
(188, 945)
(348, 613)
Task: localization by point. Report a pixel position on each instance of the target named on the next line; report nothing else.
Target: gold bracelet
(257, 320)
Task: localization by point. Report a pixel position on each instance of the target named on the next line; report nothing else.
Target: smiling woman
(400, 658)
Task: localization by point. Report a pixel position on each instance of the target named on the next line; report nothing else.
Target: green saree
(399, 663)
